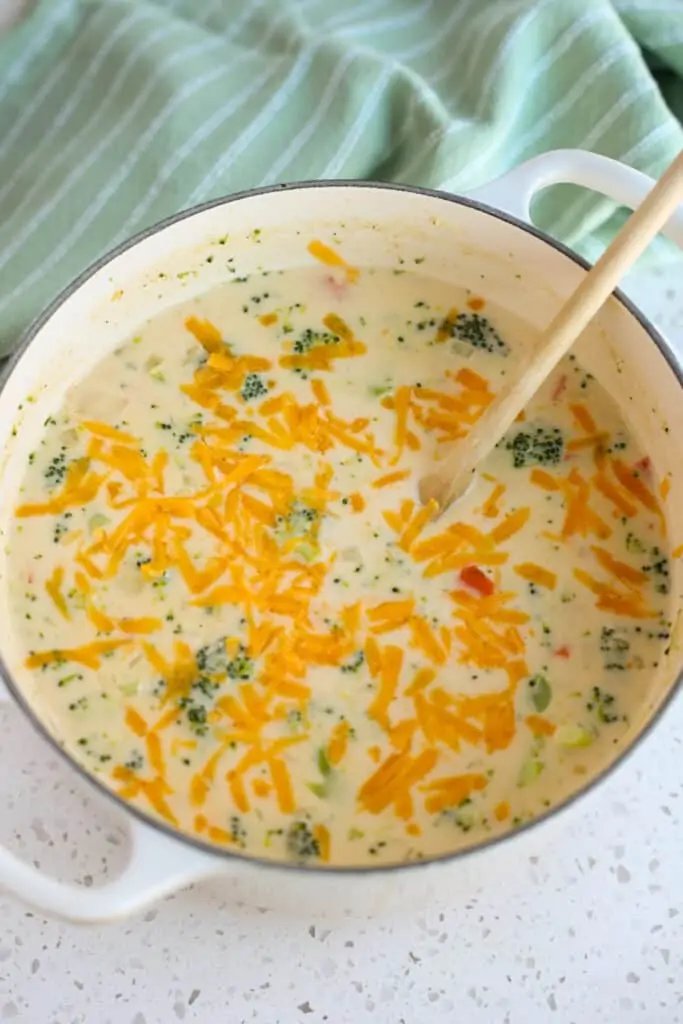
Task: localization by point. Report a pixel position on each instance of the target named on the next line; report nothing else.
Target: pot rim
(225, 853)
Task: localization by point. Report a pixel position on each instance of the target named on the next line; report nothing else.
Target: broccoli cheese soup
(238, 615)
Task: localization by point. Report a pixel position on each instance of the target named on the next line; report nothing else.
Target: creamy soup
(241, 619)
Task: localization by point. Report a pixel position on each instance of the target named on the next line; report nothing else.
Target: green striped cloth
(115, 113)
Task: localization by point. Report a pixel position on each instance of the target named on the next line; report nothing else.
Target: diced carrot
(473, 577)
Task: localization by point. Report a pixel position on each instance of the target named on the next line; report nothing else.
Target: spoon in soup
(455, 474)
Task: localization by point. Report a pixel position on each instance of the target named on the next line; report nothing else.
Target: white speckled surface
(590, 931)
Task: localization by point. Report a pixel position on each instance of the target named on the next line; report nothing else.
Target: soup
(238, 616)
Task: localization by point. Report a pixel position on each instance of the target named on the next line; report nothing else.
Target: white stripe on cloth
(569, 38)
(507, 43)
(352, 15)
(94, 208)
(367, 110)
(572, 214)
(439, 35)
(204, 132)
(35, 155)
(494, 16)
(389, 24)
(423, 94)
(32, 53)
(302, 138)
(647, 7)
(258, 125)
(67, 185)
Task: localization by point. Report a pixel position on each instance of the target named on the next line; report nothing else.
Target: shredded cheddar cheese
(297, 658)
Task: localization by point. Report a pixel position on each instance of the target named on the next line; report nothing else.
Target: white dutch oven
(485, 242)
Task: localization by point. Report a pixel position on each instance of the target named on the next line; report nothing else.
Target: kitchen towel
(115, 113)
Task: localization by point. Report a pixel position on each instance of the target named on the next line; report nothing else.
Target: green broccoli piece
(659, 567)
(354, 664)
(253, 387)
(603, 705)
(474, 330)
(543, 446)
(309, 339)
(213, 660)
(615, 648)
(297, 523)
(196, 715)
(300, 842)
(238, 833)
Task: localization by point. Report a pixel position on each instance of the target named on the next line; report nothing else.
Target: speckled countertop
(583, 926)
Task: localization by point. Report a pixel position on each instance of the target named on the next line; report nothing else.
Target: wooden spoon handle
(455, 472)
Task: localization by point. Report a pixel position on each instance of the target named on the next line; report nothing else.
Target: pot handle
(158, 865)
(514, 191)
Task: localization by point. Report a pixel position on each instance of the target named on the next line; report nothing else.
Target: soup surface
(240, 618)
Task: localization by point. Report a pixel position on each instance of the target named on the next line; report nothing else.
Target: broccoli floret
(61, 527)
(135, 762)
(615, 648)
(206, 686)
(213, 660)
(56, 471)
(474, 330)
(659, 566)
(196, 715)
(355, 663)
(543, 446)
(295, 720)
(238, 832)
(241, 666)
(297, 523)
(300, 842)
(463, 816)
(309, 339)
(603, 705)
(253, 387)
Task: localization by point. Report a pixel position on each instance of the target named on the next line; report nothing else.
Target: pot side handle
(514, 191)
(158, 866)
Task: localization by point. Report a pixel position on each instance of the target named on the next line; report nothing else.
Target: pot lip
(223, 853)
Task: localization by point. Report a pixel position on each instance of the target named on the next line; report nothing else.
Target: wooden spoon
(454, 475)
